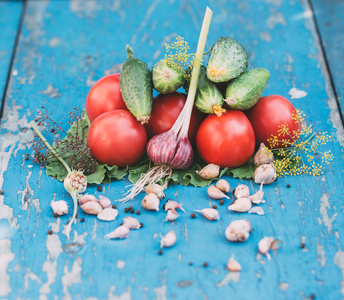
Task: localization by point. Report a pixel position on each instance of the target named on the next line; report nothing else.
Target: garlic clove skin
(210, 171)
(223, 186)
(263, 156)
(209, 213)
(257, 198)
(108, 214)
(215, 193)
(168, 240)
(171, 216)
(265, 245)
(238, 231)
(104, 202)
(233, 265)
(242, 191)
(257, 210)
(91, 208)
(131, 223)
(151, 202)
(241, 205)
(120, 232)
(265, 173)
(156, 189)
(85, 198)
(59, 207)
(173, 205)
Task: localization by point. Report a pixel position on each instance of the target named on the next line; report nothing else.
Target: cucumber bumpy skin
(167, 79)
(227, 60)
(208, 99)
(244, 91)
(136, 87)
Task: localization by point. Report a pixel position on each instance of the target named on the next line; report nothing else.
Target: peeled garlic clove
(131, 223)
(257, 198)
(168, 240)
(108, 214)
(210, 171)
(223, 186)
(238, 231)
(209, 213)
(156, 189)
(171, 215)
(173, 205)
(257, 210)
(265, 245)
(241, 191)
(263, 156)
(85, 198)
(265, 173)
(59, 207)
(241, 205)
(120, 232)
(104, 202)
(215, 193)
(91, 208)
(233, 265)
(151, 202)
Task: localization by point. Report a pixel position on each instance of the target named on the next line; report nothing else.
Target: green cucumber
(227, 60)
(244, 91)
(208, 97)
(136, 87)
(167, 79)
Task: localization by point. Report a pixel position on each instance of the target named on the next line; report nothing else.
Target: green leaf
(245, 171)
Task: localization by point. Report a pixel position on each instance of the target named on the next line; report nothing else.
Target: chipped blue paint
(65, 47)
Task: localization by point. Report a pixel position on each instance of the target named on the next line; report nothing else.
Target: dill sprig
(72, 147)
(298, 151)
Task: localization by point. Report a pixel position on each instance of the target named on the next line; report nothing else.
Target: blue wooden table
(52, 52)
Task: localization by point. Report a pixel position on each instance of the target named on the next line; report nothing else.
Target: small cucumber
(136, 87)
(208, 97)
(244, 91)
(167, 79)
(227, 60)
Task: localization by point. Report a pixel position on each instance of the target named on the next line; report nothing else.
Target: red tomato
(165, 111)
(116, 138)
(104, 96)
(268, 115)
(227, 141)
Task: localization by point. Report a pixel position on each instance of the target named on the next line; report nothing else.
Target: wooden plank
(329, 18)
(9, 26)
(63, 49)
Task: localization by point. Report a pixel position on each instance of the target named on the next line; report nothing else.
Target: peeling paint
(71, 277)
(50, 91)
(265, 36)
(30, 276)
(160, 292)
(230, 276)
(116, 68)
(321, 254)
(339, 261)
(324, 205)
(81, 8)
(276, 19)
(54, 42)
(186, 233)
(6, 256)
(283, 286)
(297, 94)
(120, 264)
(27, 194)
(124, 296)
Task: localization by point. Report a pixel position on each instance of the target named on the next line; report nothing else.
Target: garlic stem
(185, 114)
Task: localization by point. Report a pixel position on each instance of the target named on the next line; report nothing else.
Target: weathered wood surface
(63, 49)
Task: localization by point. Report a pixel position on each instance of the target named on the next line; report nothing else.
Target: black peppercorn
(160, 252)
(126, 210)
(193, 215)
(114, 206)
(221, 202)
(205, 264)
(141, 225)
(56, 215)
(50, 232)
(99, 187)
(288, 185)
(138, 212)
(82, 220)
(214, 206)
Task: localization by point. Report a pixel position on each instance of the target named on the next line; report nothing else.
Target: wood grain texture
(9, 23)
(63, 49)
(329, 18)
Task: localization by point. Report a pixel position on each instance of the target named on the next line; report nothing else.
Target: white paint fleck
(339, 261)
(321, 254)
(54, 42)
(283, 286)
(89, 81)
(230, 276)
(259, 257)
(81, 8)
(50, 91)
(79, 238)
(124, 296)
(95, 229)
(31, 276)
(120, 264)
(116, 68)
(27, 193)
(71, 277)
(6, 256)
(297, 94)
(186, 233)
(276, 19)
(160, 292)
(265, 36)
(324, 205)
(180, 256)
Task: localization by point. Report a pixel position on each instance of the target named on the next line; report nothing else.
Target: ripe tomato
(104, 96)
(227, 141)
(116, 138)
(268, 115)
(165, 111)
